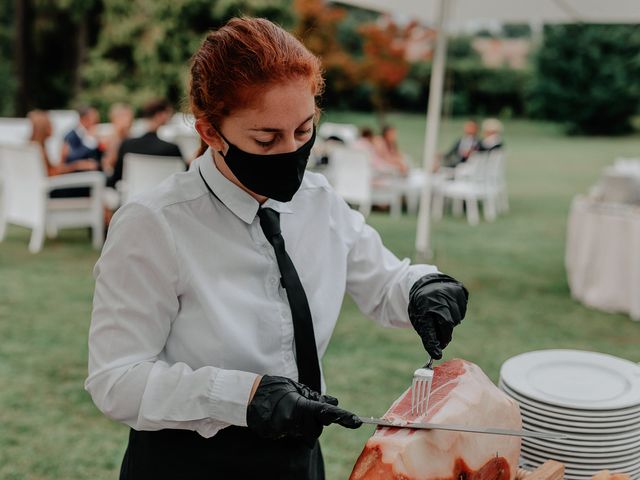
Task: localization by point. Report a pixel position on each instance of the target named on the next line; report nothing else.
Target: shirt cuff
(416, 272)
(229, 396)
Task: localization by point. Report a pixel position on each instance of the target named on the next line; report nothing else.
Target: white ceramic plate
(588, 430)
(570, 474)
(572, 422)
(597, 450)
(604, 462)
(601, 422)
(588, 440)
(589, 471)
(574, 379)
(533, 463)
(580, 468)
(634, 476)
(583, 414)
(579, 465)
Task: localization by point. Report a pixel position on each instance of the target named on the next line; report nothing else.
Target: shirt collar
(243, 205)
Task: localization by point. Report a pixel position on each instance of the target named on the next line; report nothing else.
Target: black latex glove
(282, 408)
(437, 303)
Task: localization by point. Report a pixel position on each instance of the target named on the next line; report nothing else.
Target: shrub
(470, 89)
(586, 76)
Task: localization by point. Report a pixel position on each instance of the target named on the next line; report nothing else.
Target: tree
(384, 65)
(317, 26)
(8, 82)
(144, 46)
(587, 77)
(51, 38)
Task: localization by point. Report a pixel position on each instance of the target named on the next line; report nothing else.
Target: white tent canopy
(445, 14)
(511, 11)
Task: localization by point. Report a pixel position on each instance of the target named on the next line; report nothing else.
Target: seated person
(81, 150)
(386, 147)
(367, 142)
(157, 113)
(121, 118)
(491, 135)
(41, 130)
(463, 147)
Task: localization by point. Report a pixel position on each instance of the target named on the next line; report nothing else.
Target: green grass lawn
(514, 269)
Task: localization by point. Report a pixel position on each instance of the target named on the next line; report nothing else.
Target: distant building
(498, 52)
(418, 44)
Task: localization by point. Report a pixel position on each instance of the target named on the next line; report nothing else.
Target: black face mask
(276, 176)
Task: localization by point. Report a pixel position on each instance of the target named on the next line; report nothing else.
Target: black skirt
(233, 453)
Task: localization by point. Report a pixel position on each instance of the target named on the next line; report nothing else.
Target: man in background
(156, 113)
(462, 149)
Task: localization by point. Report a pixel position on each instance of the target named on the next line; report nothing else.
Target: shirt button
(288, 357)
(273, 280)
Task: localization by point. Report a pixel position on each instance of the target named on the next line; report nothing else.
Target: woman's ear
(209, 135)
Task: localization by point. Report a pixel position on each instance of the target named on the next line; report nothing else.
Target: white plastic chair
(478, 181)
(3, 204)
(183, 134)
(498, 178)
(62, 122)
(346, 132)
(26, 201)
(188, 143)
(352, 178)
(14, 131)
(105, 130)
(141, 173)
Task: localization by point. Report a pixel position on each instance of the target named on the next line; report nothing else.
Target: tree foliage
(384, 65)
(144, 46)
(7, 73)
(587, 77)
(317, 26)
(48, 40)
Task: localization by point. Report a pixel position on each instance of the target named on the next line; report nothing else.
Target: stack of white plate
(594, 398)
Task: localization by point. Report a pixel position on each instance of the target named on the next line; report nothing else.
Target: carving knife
(461, 428)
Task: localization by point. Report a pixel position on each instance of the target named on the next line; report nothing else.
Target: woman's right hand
(282, 408)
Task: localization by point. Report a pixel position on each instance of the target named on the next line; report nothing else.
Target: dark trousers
(233, 453)
(71, 192)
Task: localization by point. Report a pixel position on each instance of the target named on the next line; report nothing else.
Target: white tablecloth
(602, 255)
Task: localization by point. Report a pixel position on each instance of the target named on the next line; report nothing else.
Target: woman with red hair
(217, 293)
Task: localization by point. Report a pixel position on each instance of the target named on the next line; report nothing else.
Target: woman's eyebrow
(277, 130)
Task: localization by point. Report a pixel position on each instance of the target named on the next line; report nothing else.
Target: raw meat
(461, 394)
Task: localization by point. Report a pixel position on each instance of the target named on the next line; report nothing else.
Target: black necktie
(306, 351)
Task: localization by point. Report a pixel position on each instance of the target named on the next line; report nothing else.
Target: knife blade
(461, 428)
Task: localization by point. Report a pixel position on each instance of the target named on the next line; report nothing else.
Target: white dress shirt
(188, 307)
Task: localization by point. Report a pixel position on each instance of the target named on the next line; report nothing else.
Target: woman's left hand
(437, 303)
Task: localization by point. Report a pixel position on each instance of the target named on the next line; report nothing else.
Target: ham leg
(461, 394)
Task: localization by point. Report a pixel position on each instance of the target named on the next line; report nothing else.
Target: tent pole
(434, 112)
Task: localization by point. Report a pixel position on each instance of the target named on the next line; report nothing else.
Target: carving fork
(421, 388)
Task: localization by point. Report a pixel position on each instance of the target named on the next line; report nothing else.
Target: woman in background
(41, 130)
(121, 118)
(387, 147)
(491, 135)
